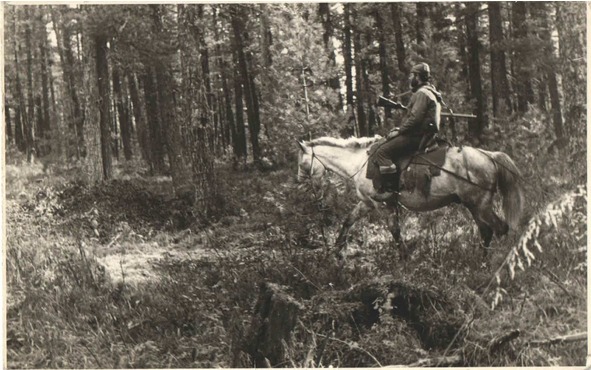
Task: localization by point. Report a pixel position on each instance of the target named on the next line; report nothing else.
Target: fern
(569, 211)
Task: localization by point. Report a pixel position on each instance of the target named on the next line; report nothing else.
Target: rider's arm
(416, 114)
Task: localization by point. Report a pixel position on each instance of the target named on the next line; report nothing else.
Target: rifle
(385, 102)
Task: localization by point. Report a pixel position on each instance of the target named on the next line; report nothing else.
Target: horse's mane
(352, 142)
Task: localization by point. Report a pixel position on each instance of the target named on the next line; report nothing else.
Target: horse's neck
(343, 161)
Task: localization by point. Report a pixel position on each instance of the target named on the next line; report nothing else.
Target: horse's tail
(508, 176)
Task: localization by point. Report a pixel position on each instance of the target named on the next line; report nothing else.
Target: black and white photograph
(294, 184)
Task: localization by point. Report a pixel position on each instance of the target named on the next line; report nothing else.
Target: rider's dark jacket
(423, 112)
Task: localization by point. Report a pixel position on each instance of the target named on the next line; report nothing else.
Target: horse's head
(308, 164)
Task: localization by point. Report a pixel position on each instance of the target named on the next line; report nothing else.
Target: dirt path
(134, 262)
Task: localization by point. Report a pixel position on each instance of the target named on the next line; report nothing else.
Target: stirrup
(385, 196)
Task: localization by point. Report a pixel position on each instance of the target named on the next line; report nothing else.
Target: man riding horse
(419, 126)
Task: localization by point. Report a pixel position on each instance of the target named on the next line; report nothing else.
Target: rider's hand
(392, 134)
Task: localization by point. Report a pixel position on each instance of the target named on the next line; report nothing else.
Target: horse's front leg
(394, 227)
(360, 210)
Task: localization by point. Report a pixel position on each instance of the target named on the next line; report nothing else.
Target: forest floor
(119, 275)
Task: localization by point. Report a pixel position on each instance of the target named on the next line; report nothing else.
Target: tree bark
(240, 138)
(157, 150)
(45, 124)
(525, 92)
(122, 113)
(21, 123)
(181, 173)
(572, 36)
(328, 28)
(7, 122)
(347, 54)
(275, 317)
(67, 62)
(459, 13)
(383, 53)
(102, 74)
(476, 126)
(241, 40)
(501, 97)
(400, 50)
(31, 118)
(359, 77)
(351, 124)
(421, 12)
(548, 69)
(139, 118)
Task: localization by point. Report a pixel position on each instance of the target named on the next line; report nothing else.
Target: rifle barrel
(459, 115)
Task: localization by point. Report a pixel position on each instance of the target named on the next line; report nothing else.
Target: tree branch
(562, 339)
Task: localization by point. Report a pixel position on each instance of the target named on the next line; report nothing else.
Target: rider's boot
(389, 182)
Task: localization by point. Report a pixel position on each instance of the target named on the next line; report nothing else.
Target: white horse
(468, 176)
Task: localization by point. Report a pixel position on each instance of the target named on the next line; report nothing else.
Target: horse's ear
(302, 145)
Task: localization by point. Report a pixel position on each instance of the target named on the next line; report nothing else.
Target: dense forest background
(175, 125)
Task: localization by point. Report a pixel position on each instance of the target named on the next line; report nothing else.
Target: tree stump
(275, 317)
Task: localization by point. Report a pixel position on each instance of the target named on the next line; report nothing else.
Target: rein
(328, 169)
(457, 176)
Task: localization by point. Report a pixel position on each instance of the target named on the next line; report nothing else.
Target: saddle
(432, 154)
(415, 170)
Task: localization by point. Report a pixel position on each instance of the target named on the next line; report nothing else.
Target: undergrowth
(65, 309)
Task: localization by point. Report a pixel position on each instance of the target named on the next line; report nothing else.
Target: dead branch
(562, 339)
(496, 344)
(435, 361)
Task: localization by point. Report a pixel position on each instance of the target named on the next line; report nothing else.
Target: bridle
(328, 169)
(319, 161)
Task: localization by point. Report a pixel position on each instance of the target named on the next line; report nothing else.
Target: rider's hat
(422, 69)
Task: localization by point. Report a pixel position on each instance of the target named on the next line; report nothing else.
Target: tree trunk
(7, 122)
(327, 35)
(241, 40)
(525, 92)
(348, 56)
(420, 28)
(400, 50)
(275, 317)
(475, 126)
(384, 67)
(121, 105)
(266, 37)
(139, 118)
(45, 124)
(548, 69)
(31, 118)
(157, 150)
(572, 36)
(19, 137)
(67, 62)
(462, 49)
(240, 139)
(359, 75)
(501, 98)
(225, 101)
(102, 74)
(21, 123)
(348, 60)
(181, 173)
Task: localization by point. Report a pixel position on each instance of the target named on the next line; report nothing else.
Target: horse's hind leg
(360, 210)
(486, 231)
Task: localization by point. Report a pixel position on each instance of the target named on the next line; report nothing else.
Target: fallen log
(562, 339)
(442, 361)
